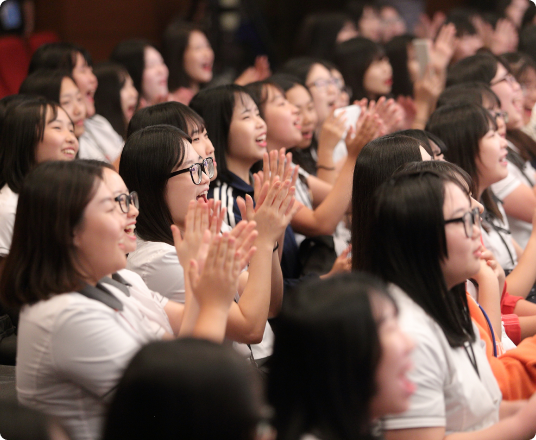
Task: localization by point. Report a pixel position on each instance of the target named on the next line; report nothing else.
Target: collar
(102, 294)
(239, 184)
(119, 282)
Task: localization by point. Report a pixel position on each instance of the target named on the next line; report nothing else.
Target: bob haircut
(397, 51)
(149, 156)
(481, 67)
(111, 78)
(190, 388)
(174, 43)
(45, 83)
(51, 206)
(461, 127)
(408, 232)
(354, 57)
(169, 113)
(376, 163)
(317, 35)
(131, 55)
(58, 56)
(301, 66)
(519, 63)
(23, 129)
(469, 92)
(216, 106)
(326, 352)
(259, 91)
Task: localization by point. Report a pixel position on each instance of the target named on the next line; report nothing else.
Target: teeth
(261, 138)
(130, 229)
(69, 151)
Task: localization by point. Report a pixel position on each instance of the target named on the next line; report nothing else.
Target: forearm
(211, 324)
(190, 311)
(326, 170)
(421, 116)
(523, 277)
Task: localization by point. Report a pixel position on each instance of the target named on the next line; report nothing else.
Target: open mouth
(203, 196)
(261, 140)
(207, 67)
(297, 124)
(69, 152)
(89, 95)
(307, 134)
(129, 231)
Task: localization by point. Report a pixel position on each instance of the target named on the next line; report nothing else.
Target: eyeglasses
(509, 78)
(321, 83)
(500, 114)
(197, 170)
(125, 200)
(469, 219)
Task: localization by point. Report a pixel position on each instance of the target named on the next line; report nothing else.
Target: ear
(76, 235)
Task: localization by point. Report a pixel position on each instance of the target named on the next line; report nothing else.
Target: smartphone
(422, 52)
(351, 113)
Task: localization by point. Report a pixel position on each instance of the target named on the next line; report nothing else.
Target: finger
(272, 194)
(227, 262)
(250, 206)
(284, 207)
(264, 192)
(190, 217)
(295, 174)
(281, 194)
(204, 216)
(266, 165)
(177, 237)
(288, 166)
(223, 211)
(247, 257)
(222, 250)
(212, 253)
(273, 165)
(281, 163)
(244, 232)
(193, 274)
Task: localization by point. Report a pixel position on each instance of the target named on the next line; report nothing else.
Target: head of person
(149, 164)
(196, 388)
(393, 24)
(33, 132)
(470, 133)
(345, 92)
(282, 118)
(365, 67)
(468, 41)
(376, 163)
(315, 74)
(403, 59)
(339, 361)
(319, 33)
(367, 18)
(300, 97)
(489, 69)
(237, 131)
(188, 55)
(523, 68)
(70, 220)
(116, 98)
(419, 135)
(58, 86)
(146, 67)
(527, 36)
(427, 242)
(180, 116)
(8, 102)
(75, 60)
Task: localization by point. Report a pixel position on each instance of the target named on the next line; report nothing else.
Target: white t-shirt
(100, 141)
(499, 241)
(520, 229)
(449, 392)
(72, 351)
(8, 209)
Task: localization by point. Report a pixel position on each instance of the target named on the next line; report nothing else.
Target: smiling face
(59, 141)
(129, 99)
(282, 119)
(247, 133)
(203, 146)
(86, 82)
(116, 185)
(491, 160)
(300, 98)
(393, 387)
(528, 84)
(509, 92)
(463, 260)
(180, 189)
(198, 58)
(378, 78)
(154, 87)
(72, 102)
(100, 238)
(323, 90)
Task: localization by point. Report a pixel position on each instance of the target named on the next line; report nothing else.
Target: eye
(195, 139)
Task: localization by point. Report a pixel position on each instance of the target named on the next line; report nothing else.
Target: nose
(260, 123)
(409, 343)
(476, 204)
(294, 110)
(133, 212)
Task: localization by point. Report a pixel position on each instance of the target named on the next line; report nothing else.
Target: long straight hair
(408, 232)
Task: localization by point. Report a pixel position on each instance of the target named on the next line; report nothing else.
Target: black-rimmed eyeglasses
(125, 200)
(197, 170)
(469, 219)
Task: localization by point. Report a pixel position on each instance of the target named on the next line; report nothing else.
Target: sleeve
(427, 404)
(165, 275)
(7, 220)
(92, 349)
(504, 187)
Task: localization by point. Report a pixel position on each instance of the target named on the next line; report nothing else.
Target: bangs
(196, 124)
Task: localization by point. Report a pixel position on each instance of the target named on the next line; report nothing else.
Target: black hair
(301, 66)
(45, 83)
(481, 67)
(111, 77)
(22, 423)
(317, 35)
(216, 106)
(378, 160)
(354, 57)
(326, 353)
(408, 233)
(355, 8)
(169, 113)
(519, 63)
(149, 156)
(461, 18)
(419, 135)
(528, 16)
(258, 90)
(461, 126)
(397, 51)
(469, 92)
(23, 128)
(58, 55)
(191, 388)
(174, 44)
(51, 206)
(7, 103)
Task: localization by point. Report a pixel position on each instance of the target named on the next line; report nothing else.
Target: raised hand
(365, 130)
(443, 47)
(332, 131)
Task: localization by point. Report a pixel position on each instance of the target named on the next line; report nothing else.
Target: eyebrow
(461, 210)
(106, 199)
(246, 109)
